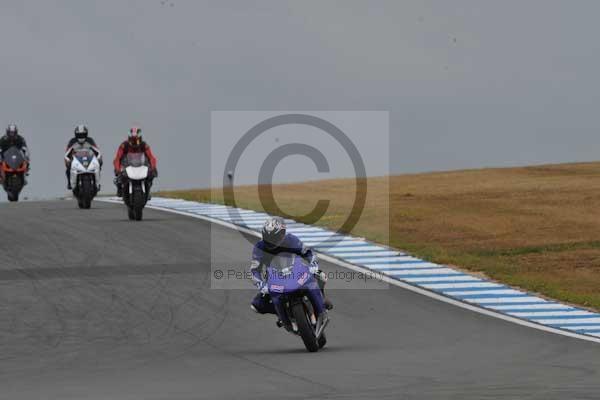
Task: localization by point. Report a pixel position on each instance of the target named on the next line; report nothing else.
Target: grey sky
(467, 83)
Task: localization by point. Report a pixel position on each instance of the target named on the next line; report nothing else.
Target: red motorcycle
(13, 169)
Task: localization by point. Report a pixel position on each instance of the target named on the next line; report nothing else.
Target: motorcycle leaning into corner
(135, 180)
(297, 299)
(85, 173)
(13, 171)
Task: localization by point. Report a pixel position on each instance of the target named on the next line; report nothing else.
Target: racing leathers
(72, 147)
(126, 148)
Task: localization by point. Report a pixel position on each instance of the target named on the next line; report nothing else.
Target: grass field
(534, 227)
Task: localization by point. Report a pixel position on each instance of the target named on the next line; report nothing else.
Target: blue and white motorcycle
(298, 300)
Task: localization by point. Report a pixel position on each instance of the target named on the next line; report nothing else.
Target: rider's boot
(323, 318)
(69, 187)
(288, 327)
(117, 182)
(149, 196)
(321, 280)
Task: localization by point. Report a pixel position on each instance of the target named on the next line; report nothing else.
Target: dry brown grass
(534, 227)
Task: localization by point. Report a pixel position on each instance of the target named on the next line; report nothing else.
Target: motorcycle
(85, 173)
(295, 290)
(12, 172)
(136, 183)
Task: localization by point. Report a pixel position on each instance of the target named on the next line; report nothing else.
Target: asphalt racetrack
(93, 306)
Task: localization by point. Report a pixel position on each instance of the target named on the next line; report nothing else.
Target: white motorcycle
(136, 183)
(85, 174)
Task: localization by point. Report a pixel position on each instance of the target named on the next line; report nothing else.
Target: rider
(133, 144)
(12, 138)
(80, 141)
(275, 240)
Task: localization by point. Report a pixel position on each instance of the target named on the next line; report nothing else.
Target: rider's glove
(263, 287)
(314, 267)
(155, 173)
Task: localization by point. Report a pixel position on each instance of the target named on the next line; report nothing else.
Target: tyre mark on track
(93, 285)
(97, 271)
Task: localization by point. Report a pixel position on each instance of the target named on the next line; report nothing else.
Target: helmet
(273, 232)
(81, 133)
(135, 136)
(12, 130)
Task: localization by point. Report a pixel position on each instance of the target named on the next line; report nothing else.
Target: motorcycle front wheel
(13, 187)
(305, 329)
(137, 202)
(12, 195)
(86, 192)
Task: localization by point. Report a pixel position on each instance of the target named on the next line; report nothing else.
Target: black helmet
(81, 133)
(273, 232)
(12, 130)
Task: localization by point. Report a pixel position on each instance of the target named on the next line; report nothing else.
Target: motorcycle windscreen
(137, 173)
(283, 261)
(85, 157)
(14, 157)
(287, 273)
(135, 160)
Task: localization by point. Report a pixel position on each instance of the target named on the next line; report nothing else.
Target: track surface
(93, 306)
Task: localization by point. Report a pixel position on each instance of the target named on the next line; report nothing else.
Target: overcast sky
(466, 83)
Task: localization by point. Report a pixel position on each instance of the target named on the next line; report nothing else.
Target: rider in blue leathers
(276, 240)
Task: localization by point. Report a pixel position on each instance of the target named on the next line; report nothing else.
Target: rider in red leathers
(133, 144)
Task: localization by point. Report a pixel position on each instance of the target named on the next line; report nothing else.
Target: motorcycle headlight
(86, 163)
